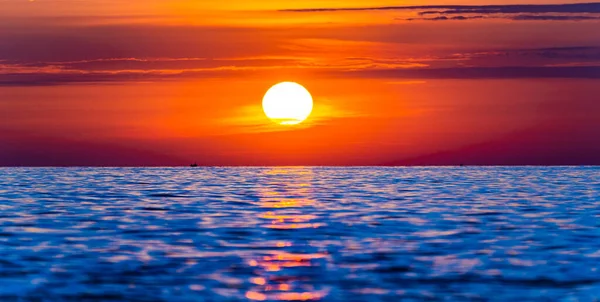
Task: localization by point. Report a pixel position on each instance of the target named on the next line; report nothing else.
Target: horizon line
(308, 166)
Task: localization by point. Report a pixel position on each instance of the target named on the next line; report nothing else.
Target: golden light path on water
(288, 210)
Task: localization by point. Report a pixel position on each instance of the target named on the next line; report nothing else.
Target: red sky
(110, 83)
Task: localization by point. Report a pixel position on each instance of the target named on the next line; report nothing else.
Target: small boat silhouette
(194, 165)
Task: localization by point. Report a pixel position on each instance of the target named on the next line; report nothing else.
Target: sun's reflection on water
(281, 274)
(287, 194)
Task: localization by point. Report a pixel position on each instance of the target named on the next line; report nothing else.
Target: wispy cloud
(48, 79)
(516, 72)
(480, 9)
(554, 18)
(543, 17)
(406, 82)
(557, 62)
(545, 12)
(444, 18)
(123, 53)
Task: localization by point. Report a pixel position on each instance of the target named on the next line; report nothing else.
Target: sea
(300, 234)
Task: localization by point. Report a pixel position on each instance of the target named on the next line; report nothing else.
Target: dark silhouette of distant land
(543, 145)
(23, 149)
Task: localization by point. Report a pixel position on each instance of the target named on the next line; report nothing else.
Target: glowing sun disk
(287, 103)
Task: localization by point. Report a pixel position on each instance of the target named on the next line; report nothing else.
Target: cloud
(553, 62)
(49, 79)
(516, 72)
(481, 9)
(60, 55)
(558, 12)
(406, 82)
(515, 18)
(444, 18)
(71, 77)
(535, 56)
(554, 18)
(517, 9)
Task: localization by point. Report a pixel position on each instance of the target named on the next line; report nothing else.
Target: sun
(288, 103)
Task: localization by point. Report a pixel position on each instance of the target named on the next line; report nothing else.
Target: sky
(168, 83)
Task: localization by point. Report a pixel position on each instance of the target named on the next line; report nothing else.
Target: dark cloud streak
(553, 18)
(482, 9)
(517, 72)
(560, 12)
(572, 72)
(445, 18)
(515, 18)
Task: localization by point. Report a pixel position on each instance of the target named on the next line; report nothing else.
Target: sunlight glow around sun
(287, 103)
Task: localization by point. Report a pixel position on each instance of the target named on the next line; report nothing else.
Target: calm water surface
(292, 234)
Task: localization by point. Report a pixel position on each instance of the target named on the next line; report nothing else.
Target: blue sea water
(300, 233)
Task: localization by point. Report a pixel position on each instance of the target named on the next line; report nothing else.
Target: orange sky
(104, 82)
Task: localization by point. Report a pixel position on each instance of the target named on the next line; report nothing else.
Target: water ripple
(299, 234)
